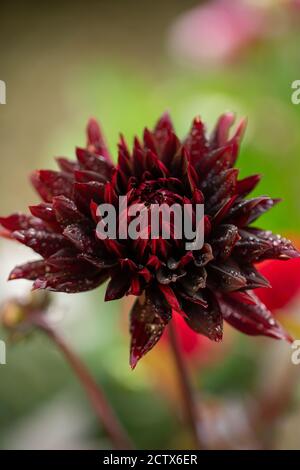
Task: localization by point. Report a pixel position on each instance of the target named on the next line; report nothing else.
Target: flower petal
(251, 319)
(207, 321)
(149, 317)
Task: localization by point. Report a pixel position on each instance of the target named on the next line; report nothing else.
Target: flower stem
(188, 396)
(99, 402)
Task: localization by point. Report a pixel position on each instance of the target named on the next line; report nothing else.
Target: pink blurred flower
(214, 32)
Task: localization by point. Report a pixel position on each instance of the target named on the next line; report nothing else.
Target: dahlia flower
(205, 286)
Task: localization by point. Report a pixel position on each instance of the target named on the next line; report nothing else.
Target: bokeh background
(126, 62)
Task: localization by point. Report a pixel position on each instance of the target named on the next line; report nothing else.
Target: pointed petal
(251, 319)
(226, 277)
(45, 212)
(20, 221)
(93, 162)
(247, 211)
(118, 285)
(254, 278)
(224, 240)
(221, 133)
(96, 142)
(67, 165)
(207, 321)
(82, 237)
(246, 185)
(170, 297)
(250, 246)
(62, 282)
(196, 142)
(49, 183)
(43, 243)
(149, 317)
(30, 271)
(280, 247)
(66, 211)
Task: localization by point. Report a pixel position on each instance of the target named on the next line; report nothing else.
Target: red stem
(188, 396)
(100, 404)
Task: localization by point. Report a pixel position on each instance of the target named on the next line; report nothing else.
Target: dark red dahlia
(205, 286)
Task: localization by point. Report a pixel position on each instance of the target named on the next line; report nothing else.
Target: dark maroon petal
(279, 247)
(163, 127)
(221, 132)
(66, 165)
(224, 239)
(166, 141)
(203, 256)
(91, 161)
(166, 276)
(246, 185)
(43, 243)
(82, 237)
(194, 297)
(84, 193)
(246, 212)
(254, 278)
(214, 163)
(124, 160)
(250, 246)
(170, 297)
(223, 211)
(155, 166)
(30, 271)
(62, 282)
(226, 277)
(114, 248)
(246, 297)
(96, 142)
(20, 221)
(196, 142)
(251, 319)
(100, 263)
(50, 183)
(87, 176)
(226, 184)
(45, 212)
(194, 280)
(66, 261)
(118, 286)
(207, 321)
(66, 211)
(169, 149)
(149, 142)
(148, 319)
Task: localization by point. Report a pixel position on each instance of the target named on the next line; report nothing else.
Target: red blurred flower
(285, 282)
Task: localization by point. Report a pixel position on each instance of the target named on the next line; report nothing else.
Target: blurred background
(126, 62)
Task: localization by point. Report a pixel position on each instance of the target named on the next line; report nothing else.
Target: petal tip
(134, 359)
